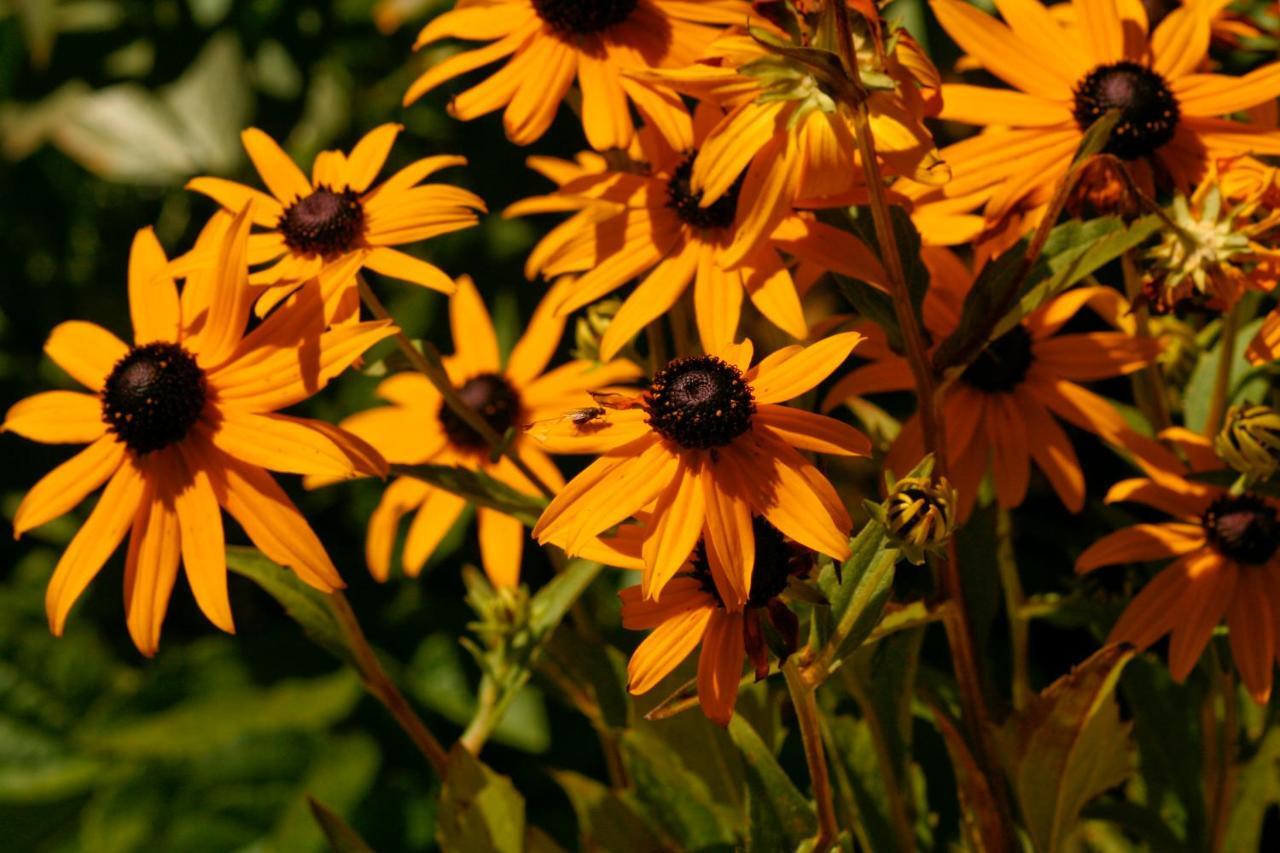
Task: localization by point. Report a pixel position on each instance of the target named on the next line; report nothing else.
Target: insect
(578, 417)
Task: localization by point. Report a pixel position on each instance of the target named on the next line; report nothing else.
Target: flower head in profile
(705, 449)
(337, 223)
(1067, 75)
(419, 428)
(1000, 414)
(184, 421)
(786, 142)
(642, 218)
(693, 612)
(548, 44)
(1225, 549)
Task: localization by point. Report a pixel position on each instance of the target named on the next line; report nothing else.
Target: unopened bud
(1250, 441)
(591, 326)
(920, 515)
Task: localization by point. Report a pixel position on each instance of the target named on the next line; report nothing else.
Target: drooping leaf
(1068, 747)
(341, 837)
(479, 808)
(478, 488)
(673, 798)
(304, 604)
(607, 819)
(780, 816)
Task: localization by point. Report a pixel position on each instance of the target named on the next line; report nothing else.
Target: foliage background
(106, 108)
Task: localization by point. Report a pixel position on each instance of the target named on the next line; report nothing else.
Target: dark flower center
(153, 396)
(325, 223)
(583, 17)
(1244, 528)
(687, 203)
(1148, 109)
(778, 559)
(497, 402)
(700, 402)
(1003, 364)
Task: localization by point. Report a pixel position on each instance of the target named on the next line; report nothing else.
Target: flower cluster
(749, 167)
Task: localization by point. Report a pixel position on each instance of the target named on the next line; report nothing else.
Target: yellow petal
(501, 547)
(153, 296)
(278, 171)
(369, 156)
(67, 485)
(57, 417)
(787, 374)
(204, 547)
(86, 351)
(151, 565)
(675, 526)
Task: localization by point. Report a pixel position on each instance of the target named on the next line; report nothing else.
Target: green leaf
(979, 814)
(859, 590)
(478, 488)
(1072, 251)
(874, 305)
(1198, 396)
(342, 770)
(1068, 747)
(780, 816)
(674, 799)
(1257, 791)
(341, 837)
(479, 809)
(607, 820)
(304, 604)
(552, 602)
(199, 726)
(1097, 136)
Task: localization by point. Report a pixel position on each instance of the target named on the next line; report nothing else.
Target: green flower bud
(591, 326)
(920, 515)
(1250, 441)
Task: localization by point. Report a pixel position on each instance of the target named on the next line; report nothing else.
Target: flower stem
(382, 688)
(806, 706)
(1015, 606)
(1148, 386)
(427, 361)
(1222, 381)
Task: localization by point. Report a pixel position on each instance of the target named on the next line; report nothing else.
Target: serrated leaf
(479, 489)
(341, 837)
(1068, 747)
(304, 604)
(607, 820)
(479, 808)
(780, 816)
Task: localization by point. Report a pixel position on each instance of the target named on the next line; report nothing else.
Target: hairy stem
(428, 363)
(382, 688)
(806, 705)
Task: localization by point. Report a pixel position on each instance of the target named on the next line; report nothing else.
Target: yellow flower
(999, 412)
(642, 218)
(1226, 564)
(705, 449)
(184, 421)
(550, 43)
(786, 143)
(334, 225)
(1066, 77)
(693, 612)
(418, 428)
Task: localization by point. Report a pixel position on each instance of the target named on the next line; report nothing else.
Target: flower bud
(920, 515)
(1250, 441)
(591, 326)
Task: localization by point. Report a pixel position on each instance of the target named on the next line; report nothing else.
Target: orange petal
(501, 546)
(204, 546)
(153, 296)
(281, 175)
(369, 156)
(1139, 543)
(809, 431)
(403, 495)
(720, 666)
(67, 485)
(789, 373)
(57, 417)
(666, 648)
(675, 527)
(151, 566)
(86, 351)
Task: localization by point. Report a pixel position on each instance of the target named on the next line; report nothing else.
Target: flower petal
(674, 528)
(501, 547)
(59, 491)
(86, 351)
(1140, 543)
(720, 666)
(808, 431)
(397, 264)
(151, 566)
(204, 545)
(790, 372)
(370, 155)
(281, 175)
(153, 296)
(666, 648)
(474, 339)
(57, 417)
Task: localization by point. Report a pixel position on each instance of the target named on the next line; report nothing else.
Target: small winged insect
(578, 417)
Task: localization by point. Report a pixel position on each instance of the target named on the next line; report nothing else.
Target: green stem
(382, 688)
(806, 706)
(819, 667)
(900, 811)
(1015, 606)
(1222, 381)
(427, 361)
(1148, 386)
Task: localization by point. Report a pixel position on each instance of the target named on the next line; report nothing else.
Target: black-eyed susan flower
(786, 143)
(182, 422)
(1226, 550)
(337, 223)
(703, 450)
(999, 413)
(693, 611)
(1171, 123)
(418, 428)
(548, 44)
(644, 219)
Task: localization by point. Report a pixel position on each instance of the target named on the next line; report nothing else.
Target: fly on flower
(184, 421)
(707, 447)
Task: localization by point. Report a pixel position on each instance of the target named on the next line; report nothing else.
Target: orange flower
(694, 612)
(702, 451)
(1171, 121)
(550, 43)
(182, 422)
(643, 218)
(998, 413)
(418, 428)
(1226, 550)
(334, 225)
